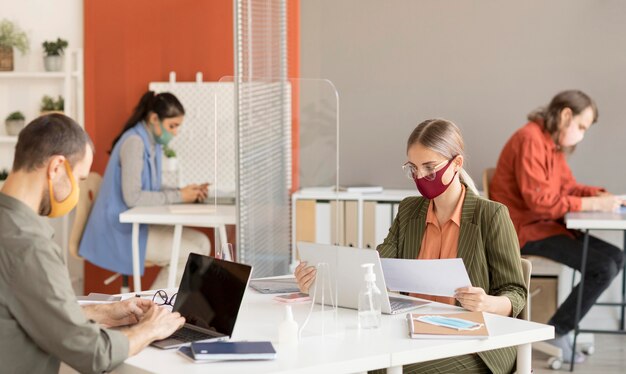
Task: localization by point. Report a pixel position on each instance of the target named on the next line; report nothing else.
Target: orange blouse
(534, 181)
(441, 241)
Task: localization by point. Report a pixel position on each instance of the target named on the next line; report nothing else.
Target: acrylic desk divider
(322, 319)
(277, 135)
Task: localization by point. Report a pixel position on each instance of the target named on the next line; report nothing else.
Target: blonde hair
(443, 137)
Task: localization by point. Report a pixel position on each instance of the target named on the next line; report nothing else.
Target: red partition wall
(131, 43)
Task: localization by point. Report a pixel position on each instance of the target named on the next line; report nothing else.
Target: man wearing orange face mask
(42, 324)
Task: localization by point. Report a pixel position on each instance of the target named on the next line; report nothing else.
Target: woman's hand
(475, 299)
(305, 275)
(194, 192)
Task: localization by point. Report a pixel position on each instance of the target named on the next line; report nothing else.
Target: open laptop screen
(211, 293)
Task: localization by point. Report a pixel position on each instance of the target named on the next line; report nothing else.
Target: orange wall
(131, 43)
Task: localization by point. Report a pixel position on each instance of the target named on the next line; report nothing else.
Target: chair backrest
(487, 177)
(527, 268)
(89, 189)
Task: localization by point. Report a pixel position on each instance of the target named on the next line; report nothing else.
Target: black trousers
(604, 261)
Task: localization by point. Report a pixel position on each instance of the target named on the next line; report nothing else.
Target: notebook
(233, 351)
(421, 330)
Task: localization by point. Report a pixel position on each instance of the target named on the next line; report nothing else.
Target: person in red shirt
(534, 181)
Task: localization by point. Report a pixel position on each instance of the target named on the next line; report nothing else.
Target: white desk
(586, 221)
(161, 215)
(349, 351)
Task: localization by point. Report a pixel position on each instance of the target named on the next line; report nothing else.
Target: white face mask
(571, 135)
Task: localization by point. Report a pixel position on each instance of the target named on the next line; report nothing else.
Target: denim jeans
(604, 261)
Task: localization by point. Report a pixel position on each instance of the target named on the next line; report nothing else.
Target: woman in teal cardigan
(451, 220)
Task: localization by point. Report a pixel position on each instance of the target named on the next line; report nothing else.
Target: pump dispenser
(288, 329)
(369, 300)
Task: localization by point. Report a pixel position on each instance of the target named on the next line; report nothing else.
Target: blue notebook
(233, 351)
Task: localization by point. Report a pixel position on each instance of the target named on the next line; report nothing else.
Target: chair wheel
(589, 350)
(555, 363)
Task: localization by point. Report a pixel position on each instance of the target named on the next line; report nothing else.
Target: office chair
(89, 189)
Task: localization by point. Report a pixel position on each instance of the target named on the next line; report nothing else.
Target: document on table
(429, 277)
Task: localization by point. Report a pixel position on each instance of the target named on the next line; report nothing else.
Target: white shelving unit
(23, 90)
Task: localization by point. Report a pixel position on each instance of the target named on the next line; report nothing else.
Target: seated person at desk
(133, 178)
(41, 323)
(452, 221)
(533, 180)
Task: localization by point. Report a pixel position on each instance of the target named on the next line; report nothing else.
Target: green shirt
(41, 322)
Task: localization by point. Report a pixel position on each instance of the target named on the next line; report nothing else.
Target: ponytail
(465, 178)
(164, 105)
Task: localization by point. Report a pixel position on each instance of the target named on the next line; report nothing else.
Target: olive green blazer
(489, 248)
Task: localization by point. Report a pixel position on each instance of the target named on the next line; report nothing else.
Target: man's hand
(122, 313)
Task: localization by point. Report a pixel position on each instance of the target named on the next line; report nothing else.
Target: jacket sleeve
(544, 199)
(389, 247)
(503, 260)
(572, 188)
(46, 308)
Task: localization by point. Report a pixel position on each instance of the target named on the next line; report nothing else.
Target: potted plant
(50, 105)
(4, 174)
(14, 123)
(53, 60)
(11, 36)
(170, 163)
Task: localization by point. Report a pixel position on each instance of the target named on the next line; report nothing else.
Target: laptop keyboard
(398, 304)
(188, 335)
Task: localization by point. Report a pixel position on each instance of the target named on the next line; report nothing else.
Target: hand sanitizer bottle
(369, 300)
(288, 329)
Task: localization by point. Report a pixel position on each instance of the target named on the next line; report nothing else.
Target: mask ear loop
(323, 278)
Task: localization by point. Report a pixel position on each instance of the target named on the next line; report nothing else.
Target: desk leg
(579, 300)
(136, 272)
(222, 241)
(394, 370)
(171, 279)
(621, 319)
(524, 359)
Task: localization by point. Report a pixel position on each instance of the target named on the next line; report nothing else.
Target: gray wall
(482, 64)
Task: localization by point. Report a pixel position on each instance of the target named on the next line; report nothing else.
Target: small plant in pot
(53, 60)
(170, 163)
(50, 105)
(11, 36)
(14, 123)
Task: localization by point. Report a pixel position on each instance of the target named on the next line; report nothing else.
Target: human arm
(45, 307)
(507, 292)
(534, 169)
(132, 162)
(122, 313)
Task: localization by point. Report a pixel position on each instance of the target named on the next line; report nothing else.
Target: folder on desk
(421, 330)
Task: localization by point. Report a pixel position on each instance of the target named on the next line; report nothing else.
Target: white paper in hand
(429, 277)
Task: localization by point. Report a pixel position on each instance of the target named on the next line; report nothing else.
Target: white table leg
(394, 370)
(222, 241)
(178, 233)
(524, 359)
(136, 272)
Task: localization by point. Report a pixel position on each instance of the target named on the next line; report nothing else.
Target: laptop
(209, 297)
(344, 264)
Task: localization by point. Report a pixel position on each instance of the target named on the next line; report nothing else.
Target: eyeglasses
(427, 172)
(161, 298)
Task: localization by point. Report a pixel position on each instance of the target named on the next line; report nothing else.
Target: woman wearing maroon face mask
(533, 179)
(452, 221)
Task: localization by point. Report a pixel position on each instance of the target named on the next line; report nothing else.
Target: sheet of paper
(430, 277)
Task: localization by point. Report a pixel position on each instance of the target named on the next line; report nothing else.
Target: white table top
(161, 215)
(597, 220)
(349, 350)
